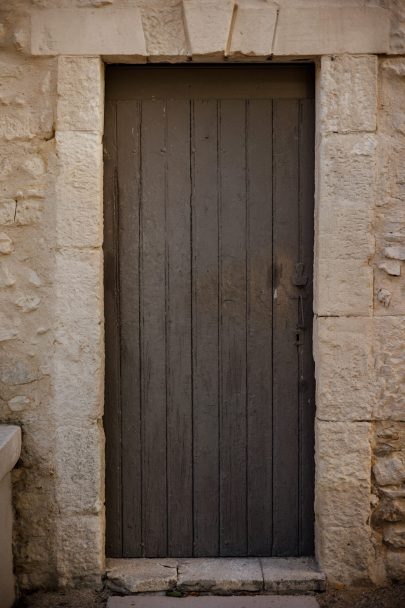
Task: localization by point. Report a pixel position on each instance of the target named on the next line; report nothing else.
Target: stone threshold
(255, 601)
(219, 576)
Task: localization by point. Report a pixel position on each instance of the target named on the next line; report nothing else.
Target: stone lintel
(213, 30)
(10, 447)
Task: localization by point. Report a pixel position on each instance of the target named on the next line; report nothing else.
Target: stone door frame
(343, 281)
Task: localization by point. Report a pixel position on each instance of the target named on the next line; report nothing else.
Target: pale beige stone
(343, 504)
(389, 294)
(218, 575)
(78, 488)
(347, 555)
(395, 252)
(142, 575)
(19, 403)
(343, 454)
(344, 368)
(6, 244)
(328, 30)
(348, 93)
(348, 169)
(79, 548)
(79, 337)
(343, 287)
(253, 31)
(87, 32)
(24, 83)
(164, 31)
(208, 26)
(80, 94)
(79, 189)
(7, 212)
(391, 267)
(28, 212)
(9, 327)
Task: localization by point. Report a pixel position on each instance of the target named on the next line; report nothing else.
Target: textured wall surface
(51, 285)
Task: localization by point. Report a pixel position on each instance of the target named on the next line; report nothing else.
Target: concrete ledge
(220, 576)
(10, 448)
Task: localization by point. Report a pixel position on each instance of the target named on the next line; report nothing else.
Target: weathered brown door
(208, 302)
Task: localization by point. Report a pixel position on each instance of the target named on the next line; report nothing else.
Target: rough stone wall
(388, 480)
(27, 257)
(51, 347)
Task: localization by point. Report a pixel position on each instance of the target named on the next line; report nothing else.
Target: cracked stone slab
(292, 574)
(220, 575)
(141, 575)
(258, 601)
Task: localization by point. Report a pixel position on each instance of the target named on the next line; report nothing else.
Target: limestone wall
(51, 289)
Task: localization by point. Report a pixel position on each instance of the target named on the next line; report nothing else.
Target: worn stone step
(215, 575)
(235, 601)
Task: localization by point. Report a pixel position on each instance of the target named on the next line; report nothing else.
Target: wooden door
(208, 302)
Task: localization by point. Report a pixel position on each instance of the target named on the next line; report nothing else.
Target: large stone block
(347, 555)
(253, 31)
(343, 287)
(79, 466)
(348, 93)
(208, 26)
(79, 337)
(344, 368)
(343, 453)
(347, 170)
(103, 31)
(344, 231)
(79, 549)
(334, 508)
(328, 30)
(79, 189)
(80, 90)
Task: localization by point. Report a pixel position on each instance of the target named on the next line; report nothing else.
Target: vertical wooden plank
(153, 328)
(285, 308)
(233, 538)
(259, 331)
(205, 327)
(306, 362)
(112, 412)
(178, 315)
(128, 168)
